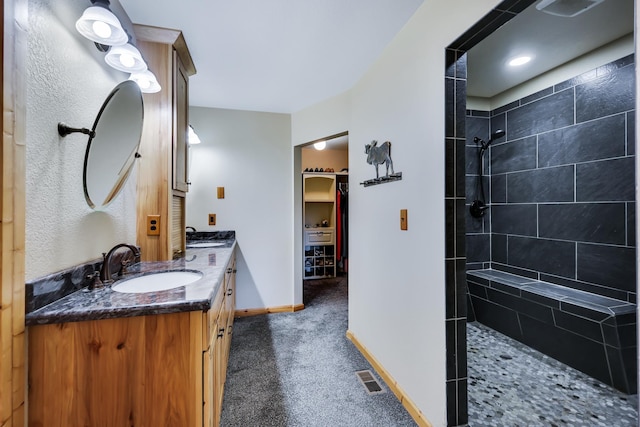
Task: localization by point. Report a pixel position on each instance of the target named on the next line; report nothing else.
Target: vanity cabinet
(163, 166)
(216, 356)
(157, 370)
(319, 213)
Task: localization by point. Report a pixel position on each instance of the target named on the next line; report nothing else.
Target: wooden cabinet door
(218, 365)
(180, 127)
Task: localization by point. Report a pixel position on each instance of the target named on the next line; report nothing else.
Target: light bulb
(520, 60)
(143, 83)
(147, 81)
(320, 145)
(102, 29)
(127, 60)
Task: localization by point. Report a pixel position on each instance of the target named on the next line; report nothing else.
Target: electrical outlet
(212, 219)
(153, 225)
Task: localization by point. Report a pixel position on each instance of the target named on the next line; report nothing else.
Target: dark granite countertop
(104, 303)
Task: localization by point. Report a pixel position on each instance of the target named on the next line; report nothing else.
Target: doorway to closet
(325, 199)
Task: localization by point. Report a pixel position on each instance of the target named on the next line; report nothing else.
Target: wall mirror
(113, 144)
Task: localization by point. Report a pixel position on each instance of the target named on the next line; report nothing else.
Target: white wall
(396, 278)
(67, 81)
(248, 153)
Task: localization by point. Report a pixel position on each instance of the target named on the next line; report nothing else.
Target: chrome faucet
(105, 271)
(190, 229)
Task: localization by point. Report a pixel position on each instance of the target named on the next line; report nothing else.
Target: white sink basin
(205, 245)
(155, 282)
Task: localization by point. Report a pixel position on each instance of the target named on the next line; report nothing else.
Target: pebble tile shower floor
(513, 385)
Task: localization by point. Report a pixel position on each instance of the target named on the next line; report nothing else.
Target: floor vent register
(370, 383)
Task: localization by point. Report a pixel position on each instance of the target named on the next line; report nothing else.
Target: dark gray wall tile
(611, 266)
(476, 126)
(522, 306)
(542, 185)
(504, 108)
(583, 354)
(540, 94)
(606, 180)
(471, 160)
(584, 222)
(473, 190)
(578, 325)
(474, 225)
(514, 219)
(515, 270)
(478, 247)
(498, 189)
(543, 115)
(497, 317)
(607, 95)
(450, 106)
(600, 139)
(587, 287)
(631, 224)
(514, 156)
(548, 256)
(450, 231)
(499, 248)
(461, 96)
(631, 133)
(460, 174)
(499, 122)
(450, 167)
(460, 232)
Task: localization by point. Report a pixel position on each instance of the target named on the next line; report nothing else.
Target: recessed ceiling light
(320, 145)
(520, 60)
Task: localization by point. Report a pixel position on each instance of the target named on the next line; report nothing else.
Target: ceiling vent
(566, 8)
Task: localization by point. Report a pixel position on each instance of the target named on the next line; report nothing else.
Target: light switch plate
(403, 219)
(220, 192)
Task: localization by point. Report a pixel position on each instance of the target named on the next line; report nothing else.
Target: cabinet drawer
(210, 318)
(319, 236)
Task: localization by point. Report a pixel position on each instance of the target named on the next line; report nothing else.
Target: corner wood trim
(247, 312)
(411, 407)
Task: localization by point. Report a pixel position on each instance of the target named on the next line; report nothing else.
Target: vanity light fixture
(101, 26)
(320, 145)
(126, 58)
(193, 136)
(147, 81)
(519, 60)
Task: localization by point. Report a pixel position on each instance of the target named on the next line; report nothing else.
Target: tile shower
(561, 187)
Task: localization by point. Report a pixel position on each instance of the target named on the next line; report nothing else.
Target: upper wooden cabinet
(181, 126)
(163, 167)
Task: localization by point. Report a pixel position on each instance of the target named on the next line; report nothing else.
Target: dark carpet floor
(298, 369)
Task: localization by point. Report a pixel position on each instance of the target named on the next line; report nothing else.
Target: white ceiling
(276, 55)
(552, 40)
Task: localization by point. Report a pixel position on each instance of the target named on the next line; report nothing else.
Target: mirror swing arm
(64, 130)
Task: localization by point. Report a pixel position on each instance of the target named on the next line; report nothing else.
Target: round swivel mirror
(113, 144)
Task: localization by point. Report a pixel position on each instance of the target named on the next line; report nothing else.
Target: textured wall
(67, 81)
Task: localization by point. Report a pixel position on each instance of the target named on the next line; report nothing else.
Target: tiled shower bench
(592, 333)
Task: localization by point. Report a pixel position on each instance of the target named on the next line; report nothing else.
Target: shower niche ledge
(589, 332)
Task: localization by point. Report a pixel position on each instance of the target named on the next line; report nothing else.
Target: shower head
(495, 135)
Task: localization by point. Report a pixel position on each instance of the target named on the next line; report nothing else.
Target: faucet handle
(95, 280)
(124, 264)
